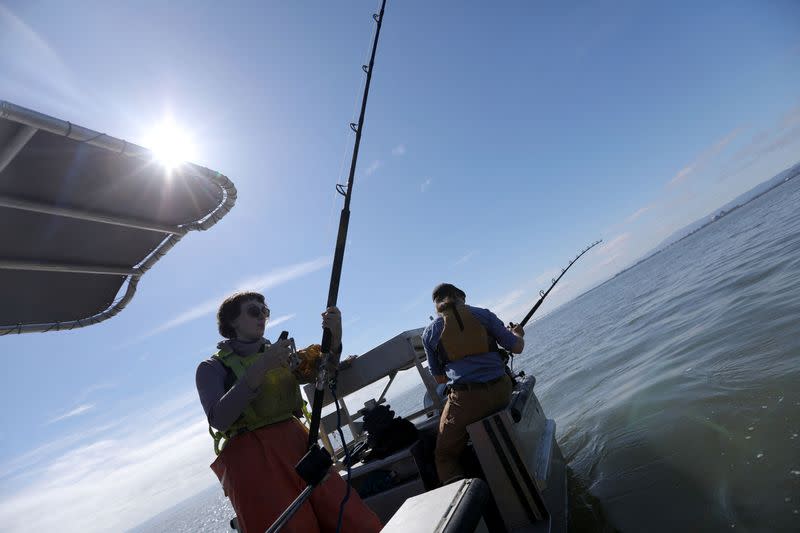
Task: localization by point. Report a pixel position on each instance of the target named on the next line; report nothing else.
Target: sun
(171, 145)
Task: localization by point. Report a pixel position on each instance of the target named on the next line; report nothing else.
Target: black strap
(230, 377)
(458, 317)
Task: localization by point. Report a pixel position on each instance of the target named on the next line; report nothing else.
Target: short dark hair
(447, 289)
(230, 310)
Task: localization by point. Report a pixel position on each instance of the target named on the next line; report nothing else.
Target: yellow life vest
(463, 334)
(278, 398)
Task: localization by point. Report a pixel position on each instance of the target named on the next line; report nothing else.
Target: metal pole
(289, 512)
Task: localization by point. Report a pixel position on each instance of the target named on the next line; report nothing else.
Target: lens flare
(171, 145)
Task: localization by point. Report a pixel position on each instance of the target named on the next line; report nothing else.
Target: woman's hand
(274, 356)
(332, 320)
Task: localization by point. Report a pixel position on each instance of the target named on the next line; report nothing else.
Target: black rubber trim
(532, 488)
(509, 472)
(470, 510)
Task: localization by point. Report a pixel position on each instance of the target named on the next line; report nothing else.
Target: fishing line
(347, 460)
(346, 150)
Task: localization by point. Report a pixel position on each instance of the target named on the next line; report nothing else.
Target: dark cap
(447, 289)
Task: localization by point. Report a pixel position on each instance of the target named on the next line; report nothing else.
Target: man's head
(243, 315)
(445, 293)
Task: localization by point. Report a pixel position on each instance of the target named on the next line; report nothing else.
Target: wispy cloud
(400, 149)
(88, 486)
(783, 134)
(373, 167)
(681, 175)
(507, 301)
(614, 245)
(705, 157)
(274, 322)
(92, 389)
(27, 56)
(639, 213)
(282, 275)
(612, 251)
(421, 298)
(546, 276)
(259, 283)
(348, 323)
(464, 258)
(425, 185)
(74, 412)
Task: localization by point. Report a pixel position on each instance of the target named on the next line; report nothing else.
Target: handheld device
(293, 361)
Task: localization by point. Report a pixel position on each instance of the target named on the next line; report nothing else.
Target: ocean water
(675, 386)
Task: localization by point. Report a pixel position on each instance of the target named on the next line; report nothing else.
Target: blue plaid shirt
(478, 368)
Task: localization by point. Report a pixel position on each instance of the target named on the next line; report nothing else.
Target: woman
(252, 397)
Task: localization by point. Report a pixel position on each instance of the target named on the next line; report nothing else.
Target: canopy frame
(30, 122)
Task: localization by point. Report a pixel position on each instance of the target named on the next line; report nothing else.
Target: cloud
(507, 301)
(160, 455)
(464, 258)
(681, 175)
(704, 158)
(39, 72)
(425, 185)
(783, 134)
(348, 323)
(273, 322)
(279, 276)
(421, 298)
(259, 283)
(613, 246)
(373, 167)
(547, 275)
(400, 149)
(639, 213)
(74, 412)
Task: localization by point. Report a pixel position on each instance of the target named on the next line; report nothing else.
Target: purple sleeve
(495, 327)
(434, 365)
(222, 408)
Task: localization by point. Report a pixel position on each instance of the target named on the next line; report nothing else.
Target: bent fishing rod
(313, 467)
(543, 294)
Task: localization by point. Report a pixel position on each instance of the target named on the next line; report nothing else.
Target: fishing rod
(543, 294)
(313, 467)
(341, 239)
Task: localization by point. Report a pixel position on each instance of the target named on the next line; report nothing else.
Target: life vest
(463, 335)
(278, 398)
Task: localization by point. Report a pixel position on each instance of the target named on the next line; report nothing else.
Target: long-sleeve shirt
(223, 407)
(478, 368)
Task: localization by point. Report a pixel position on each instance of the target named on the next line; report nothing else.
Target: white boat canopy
(82, 213)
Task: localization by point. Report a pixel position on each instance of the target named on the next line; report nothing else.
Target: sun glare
(171, 145)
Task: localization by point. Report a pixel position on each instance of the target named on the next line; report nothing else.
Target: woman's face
(252, 319)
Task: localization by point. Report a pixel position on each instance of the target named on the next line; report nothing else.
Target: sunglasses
(257, 311)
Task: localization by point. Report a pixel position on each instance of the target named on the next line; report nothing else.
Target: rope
(332, 387)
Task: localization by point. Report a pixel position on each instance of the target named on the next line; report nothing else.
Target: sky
(500, 140)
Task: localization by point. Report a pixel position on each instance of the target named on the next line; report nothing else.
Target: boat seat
(403, 458)
(454, 508)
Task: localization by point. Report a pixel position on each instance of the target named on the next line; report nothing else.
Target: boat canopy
(82, 213)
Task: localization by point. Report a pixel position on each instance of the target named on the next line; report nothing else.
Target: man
(461, 345)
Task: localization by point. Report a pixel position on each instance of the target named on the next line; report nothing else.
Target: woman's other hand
(332, 320)
(273, 356)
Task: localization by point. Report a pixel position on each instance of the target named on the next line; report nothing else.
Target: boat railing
(401, 352)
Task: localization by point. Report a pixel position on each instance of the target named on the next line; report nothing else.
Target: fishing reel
(293, 361)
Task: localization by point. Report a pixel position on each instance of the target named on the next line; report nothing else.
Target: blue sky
(500, 139)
